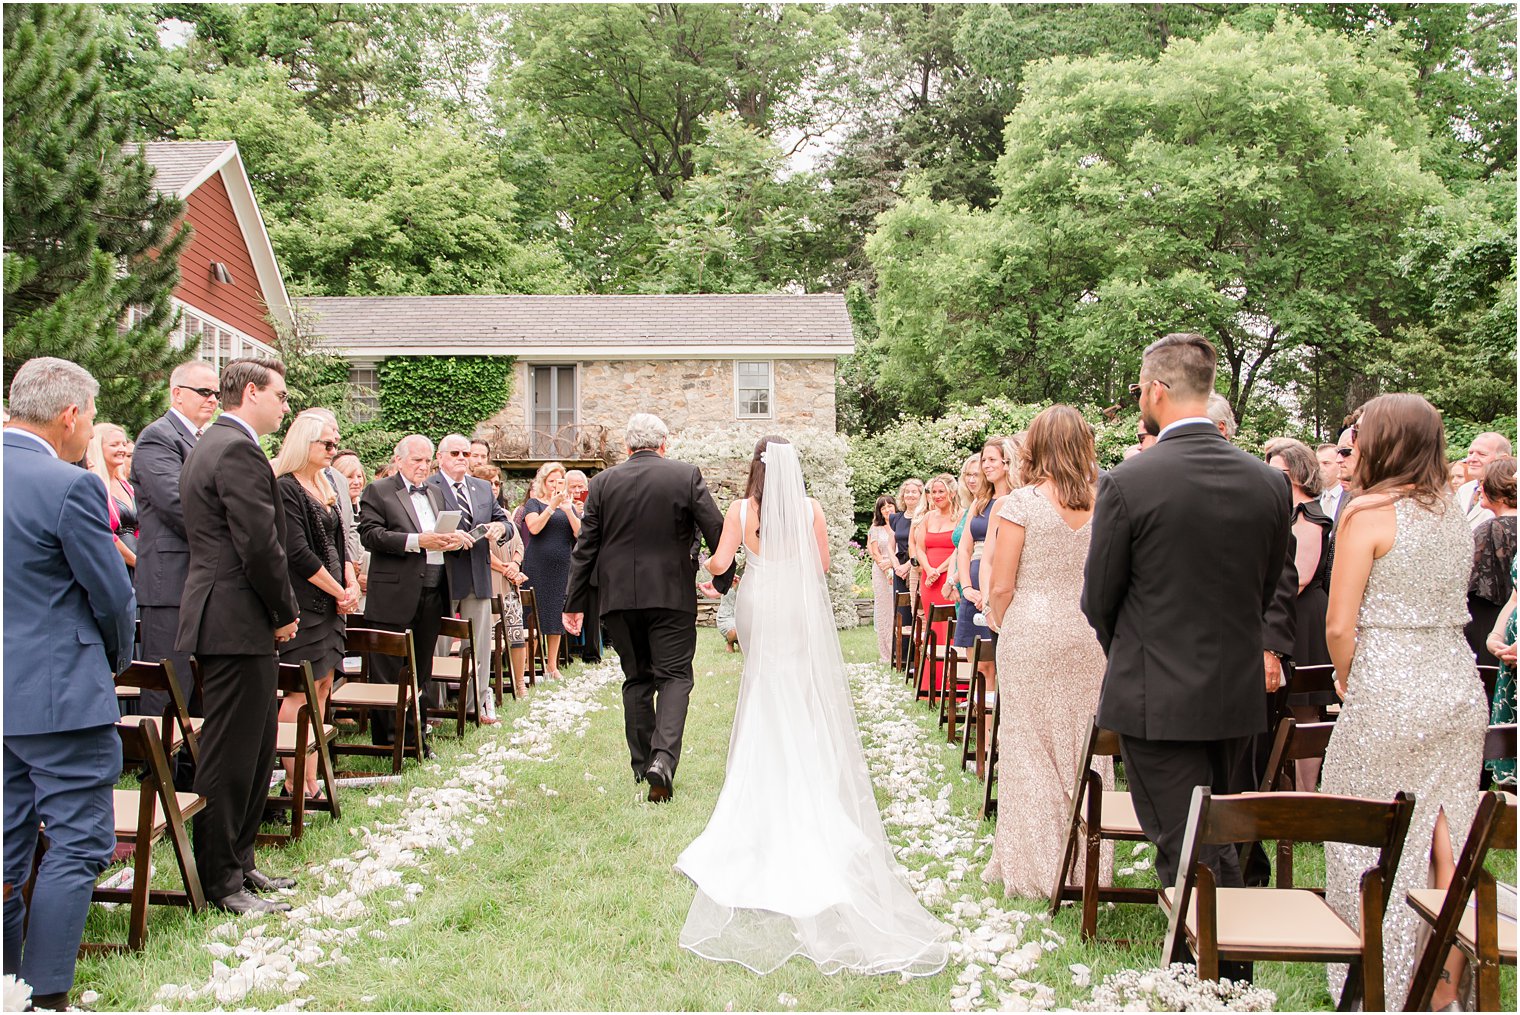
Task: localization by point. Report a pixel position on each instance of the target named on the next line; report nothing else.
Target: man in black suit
(469, 569)
(637, 553)
(1188, 543)
(237, 606)
(163, 555)
(408, 584)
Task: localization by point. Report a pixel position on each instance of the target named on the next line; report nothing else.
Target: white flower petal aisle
(361, 893)
(997, 948)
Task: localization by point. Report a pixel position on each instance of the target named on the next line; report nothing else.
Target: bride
(794, 860)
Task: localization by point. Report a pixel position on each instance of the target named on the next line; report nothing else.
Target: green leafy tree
(87, 237)
(1252, 186)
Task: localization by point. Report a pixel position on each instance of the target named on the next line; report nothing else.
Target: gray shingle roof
(179, 162)
(513, 324)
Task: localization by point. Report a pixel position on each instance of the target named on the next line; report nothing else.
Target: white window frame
(241, 343)
(770, 395)
(366, 406)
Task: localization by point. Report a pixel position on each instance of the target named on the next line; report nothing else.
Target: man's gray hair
(1500, 442)
(453, 437)
(1220, 412)
(406, 442)
(181, 373)
(44, 387)
(645, 432)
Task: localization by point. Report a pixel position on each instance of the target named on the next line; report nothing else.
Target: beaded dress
(1414, 719)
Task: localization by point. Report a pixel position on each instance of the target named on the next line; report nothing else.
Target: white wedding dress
(794, 860)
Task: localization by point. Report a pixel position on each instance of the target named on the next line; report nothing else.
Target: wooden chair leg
(1369, 990)
(142, 876)
(1486, 973)
(298, 801)
(1207, 943)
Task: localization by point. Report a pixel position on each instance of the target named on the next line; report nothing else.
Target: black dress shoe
(659, 778)
(258, 881)
(244, 903)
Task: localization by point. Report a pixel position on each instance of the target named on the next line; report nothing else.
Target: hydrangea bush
(723, 454)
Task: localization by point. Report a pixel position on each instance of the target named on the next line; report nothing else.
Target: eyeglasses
(203, 392)
(1345, 452)
(456, 454)
(1136, 389)
(331, 446)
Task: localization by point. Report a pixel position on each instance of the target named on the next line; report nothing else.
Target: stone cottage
(584, 364)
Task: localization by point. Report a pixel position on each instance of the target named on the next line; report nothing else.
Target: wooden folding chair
(1294, 742)
(978, 696)
(501, 652)
(956, 715)
(175, 726)
(363, 697)
(902, 606)
(534, 666)
(989, 784)
(305, 742)
(938, 656)
(1285, 924)
(457, 672)
(1475, 927)
(143, 817)
(1097, 814)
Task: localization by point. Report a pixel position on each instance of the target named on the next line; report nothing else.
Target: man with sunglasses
(163, 556)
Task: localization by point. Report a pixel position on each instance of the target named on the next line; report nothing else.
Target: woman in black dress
(1493, 556)
(910, 496)
(324, 579)
(1312, 557)
(552, 525)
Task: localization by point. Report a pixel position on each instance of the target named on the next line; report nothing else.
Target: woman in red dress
(934, 549)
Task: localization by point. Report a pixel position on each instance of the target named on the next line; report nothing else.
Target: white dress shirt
(1472, 504)
(1185, 422)
(428, 521)
(1330, 500)
(195, 431)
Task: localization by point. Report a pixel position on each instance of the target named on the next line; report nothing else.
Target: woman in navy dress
(553, 526)
(910, 497)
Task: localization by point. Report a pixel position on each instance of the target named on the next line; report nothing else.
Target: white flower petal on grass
(18, 993)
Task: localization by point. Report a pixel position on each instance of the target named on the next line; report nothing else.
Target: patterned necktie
(198, 434)
(465, 519)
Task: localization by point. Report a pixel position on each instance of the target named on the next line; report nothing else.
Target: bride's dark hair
(755, 487)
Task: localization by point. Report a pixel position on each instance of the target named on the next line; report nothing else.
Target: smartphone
(581, 495)
(478, 531)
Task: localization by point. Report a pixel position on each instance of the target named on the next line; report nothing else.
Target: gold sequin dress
(1414, 719)
(1049, 670)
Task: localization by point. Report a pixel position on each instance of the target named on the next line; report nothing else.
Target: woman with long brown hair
(1049, 663)
(1414, 715)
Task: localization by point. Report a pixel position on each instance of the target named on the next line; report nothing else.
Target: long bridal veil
(794, 860)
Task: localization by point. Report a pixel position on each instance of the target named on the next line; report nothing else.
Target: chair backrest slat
(368, 641)
(454, 627)
(1500, 742)
(1301, 817)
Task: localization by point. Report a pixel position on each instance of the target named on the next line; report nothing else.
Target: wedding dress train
(794, 860)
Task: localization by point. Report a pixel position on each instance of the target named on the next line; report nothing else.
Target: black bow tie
(417, 489)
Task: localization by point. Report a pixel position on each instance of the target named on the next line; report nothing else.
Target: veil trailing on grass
(794, 860)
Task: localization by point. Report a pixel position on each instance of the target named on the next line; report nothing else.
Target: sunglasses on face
(203, 392)
(1345, 452)
(1136, 389)
(331, 446)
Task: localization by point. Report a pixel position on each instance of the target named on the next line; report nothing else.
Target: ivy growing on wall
(438, 395)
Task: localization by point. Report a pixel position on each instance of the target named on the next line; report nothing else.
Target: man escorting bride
(794, 860)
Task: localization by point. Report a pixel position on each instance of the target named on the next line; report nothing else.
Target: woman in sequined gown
(1049, 663)
(879, 547)
(1414, 715)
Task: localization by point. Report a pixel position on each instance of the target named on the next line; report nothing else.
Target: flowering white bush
(724, 453)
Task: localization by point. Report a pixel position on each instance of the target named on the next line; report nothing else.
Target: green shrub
(439, 395)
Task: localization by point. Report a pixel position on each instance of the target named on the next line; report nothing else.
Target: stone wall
(686, 394)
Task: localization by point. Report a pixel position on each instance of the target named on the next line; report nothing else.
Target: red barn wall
(218, 238)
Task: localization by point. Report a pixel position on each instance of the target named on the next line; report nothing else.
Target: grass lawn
(565, 897)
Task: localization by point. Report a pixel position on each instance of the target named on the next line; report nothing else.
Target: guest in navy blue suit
(68, 630)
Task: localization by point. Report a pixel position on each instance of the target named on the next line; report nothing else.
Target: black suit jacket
(470, 570)
(163, 555)
(636, 550)
(238, 589)
(386, 518)
(1187, 548)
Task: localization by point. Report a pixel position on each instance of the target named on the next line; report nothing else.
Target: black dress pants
(1162, 775)
(655, 648)
(431, 605)
(237, 756)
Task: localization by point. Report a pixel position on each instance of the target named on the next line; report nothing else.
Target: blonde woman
(934, 550)
(325, 582)
(910, 502)
(554, 526)
(969, 534)
(110, 458)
